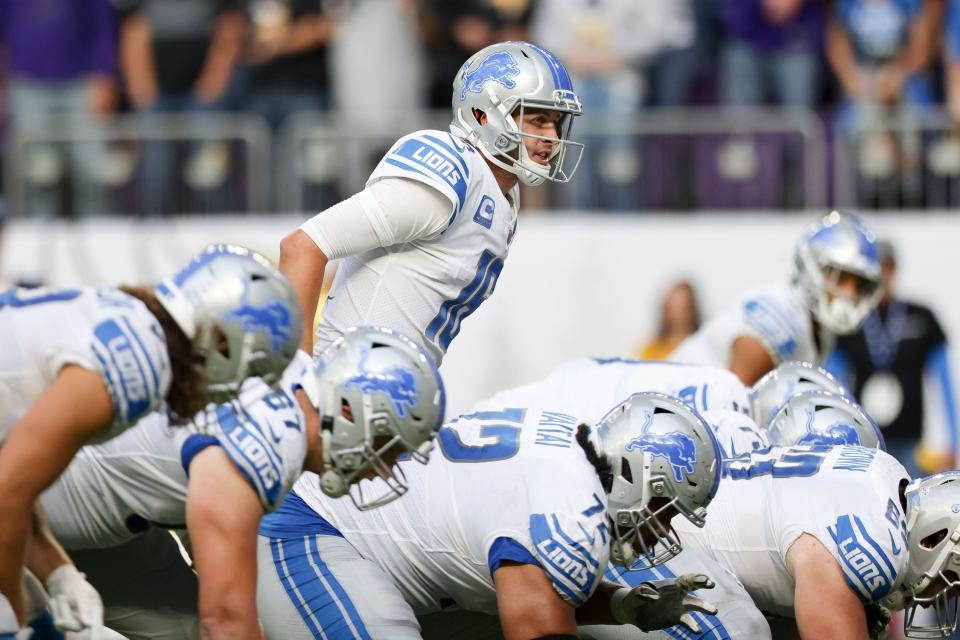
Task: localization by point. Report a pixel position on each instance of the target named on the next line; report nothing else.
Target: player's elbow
(296, 244)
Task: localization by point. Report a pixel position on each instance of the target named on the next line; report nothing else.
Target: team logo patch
(497, 67)
(677, 448)
(397, 383)
(273, 318)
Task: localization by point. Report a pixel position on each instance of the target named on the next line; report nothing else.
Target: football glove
(659, 604)
(74, 603)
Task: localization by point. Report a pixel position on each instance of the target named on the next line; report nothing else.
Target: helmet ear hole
(479, 116)
(345, 411)
(932, 540)
(223, 344)
(625, 471)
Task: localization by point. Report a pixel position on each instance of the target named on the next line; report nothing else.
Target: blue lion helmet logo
(274, 318)
(498, 67)
(836, 434)
(677, 448)
(397, 383)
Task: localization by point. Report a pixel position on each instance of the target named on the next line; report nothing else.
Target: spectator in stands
(60, 61)
(674, 72)
(180, 56)
(897, 365)
(456, 29)
(605, 45)
(679, 318)
(772, 52)
(879, 50)
(287, 58)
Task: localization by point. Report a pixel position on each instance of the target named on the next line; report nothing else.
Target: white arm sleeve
(388, 212)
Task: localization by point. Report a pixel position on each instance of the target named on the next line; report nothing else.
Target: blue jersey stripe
(297, 597)
(461, 195)
(573, 543)
(146, 356)
(453, 155)
(342, 599)
(193, 445)
(891, 572)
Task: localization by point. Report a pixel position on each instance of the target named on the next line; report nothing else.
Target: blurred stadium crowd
(856, 88)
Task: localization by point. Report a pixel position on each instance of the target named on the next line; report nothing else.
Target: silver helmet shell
(660, 449)
(240, 313)
(823, 418)
(378, 392)
(932, 577)
(771, 391)
(503, 81)
(839, 242)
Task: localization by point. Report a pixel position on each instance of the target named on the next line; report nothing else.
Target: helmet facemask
(630, 549)
(363, 464)
(502, 143)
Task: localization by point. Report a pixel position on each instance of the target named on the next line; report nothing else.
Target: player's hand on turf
(878, 620)
(659, 604)
(74, 603)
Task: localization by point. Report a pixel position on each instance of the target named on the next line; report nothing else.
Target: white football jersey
(112, 491)
(494, 476)
(846, 497)
(103, 330)
(424, 289)
(589, 387)
(776, 316)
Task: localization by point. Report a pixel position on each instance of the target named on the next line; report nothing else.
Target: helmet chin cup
(333, 484)
(840, 315)
(622, 553)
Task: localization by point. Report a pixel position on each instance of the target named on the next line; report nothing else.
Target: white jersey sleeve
(430, 157)
(103, 330)
(776, 316)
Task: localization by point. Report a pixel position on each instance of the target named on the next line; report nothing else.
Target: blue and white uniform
(109, 507)
(113, 490)
(422, 277)
(103, 330)
(846, 497)
(776, 316)
(490, 493)
(588, 387)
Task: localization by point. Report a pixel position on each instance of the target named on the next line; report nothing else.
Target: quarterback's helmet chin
(665, 459)
(823, 418)
(773, 390)
(838, 243)
(932, 578)
(380, 395)
(240, 314)
(507, 80)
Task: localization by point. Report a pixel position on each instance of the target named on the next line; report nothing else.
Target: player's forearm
(13, 537)
(302, 261)
(596, 610)
(44, 553)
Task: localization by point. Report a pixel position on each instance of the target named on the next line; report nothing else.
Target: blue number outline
(506, 445)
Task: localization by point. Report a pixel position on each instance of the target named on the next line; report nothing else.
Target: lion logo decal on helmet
(274, 318)
(497, 67)
(677, 448)
(397, 383)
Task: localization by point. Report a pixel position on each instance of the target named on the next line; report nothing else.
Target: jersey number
(446, 325)
(503, 431)
(780, 463)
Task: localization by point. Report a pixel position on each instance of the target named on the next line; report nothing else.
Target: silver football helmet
(659, 448)
(822, 418)
(240, 313)
(770, 392)
(504, 81)
(932, 577)
(840, 242)
(378, 393)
